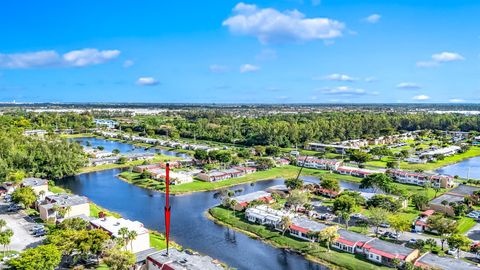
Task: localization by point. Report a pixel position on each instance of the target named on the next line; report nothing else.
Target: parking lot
(20, 224)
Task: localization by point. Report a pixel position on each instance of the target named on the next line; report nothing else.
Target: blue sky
(223, 51)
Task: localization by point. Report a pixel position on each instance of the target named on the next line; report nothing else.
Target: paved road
(20, 224)
(474, 232)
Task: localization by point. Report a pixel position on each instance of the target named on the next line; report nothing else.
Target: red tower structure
(167, 204)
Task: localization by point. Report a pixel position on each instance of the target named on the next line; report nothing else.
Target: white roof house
(112, 225)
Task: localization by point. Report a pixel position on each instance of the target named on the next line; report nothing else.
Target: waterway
(469, 168)
(124, 148)
(190, 227)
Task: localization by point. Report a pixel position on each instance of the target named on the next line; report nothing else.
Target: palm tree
(5, 239)
(130, 237)
(123, 232)
(3, 223)
(285, 224)
(232, 204)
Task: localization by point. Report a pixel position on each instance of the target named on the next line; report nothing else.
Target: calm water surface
(467, 168)
(124, 148)
(190, 227)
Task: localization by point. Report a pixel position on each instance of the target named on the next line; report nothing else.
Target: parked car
(385, 225)
(452, 251)
(37, 227)
(39, 233)
(13, 208)
(9, 257)
(412, 241)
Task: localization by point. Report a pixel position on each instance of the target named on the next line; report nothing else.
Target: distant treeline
(296, 129)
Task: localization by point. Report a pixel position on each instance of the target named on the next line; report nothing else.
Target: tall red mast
(167, 204)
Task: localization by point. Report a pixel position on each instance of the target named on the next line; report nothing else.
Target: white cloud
(338, 77)
(408, 86)
(77, 58)
(87, 57)
(218, 68)
(270, 25)
(248, 68)
(447, 57)
(374, 18)
(421, 97)
(147, 81)
(442, 57)
(456, 100)
(128, 63)
(29, 60)
(343, 90)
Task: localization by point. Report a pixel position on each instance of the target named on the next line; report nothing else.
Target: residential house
(321, 147)
(431, 261)
(264, 215)
(176, 177)
(181, 260)
(455, 195)
(384, 252)
(73, 205)
(38, 185)
(213, 176)
(112, 225)
(351, 242)
(316, 163)
(35, 132)
(420, 179)
(280, 190)
(416, 160)
(242, 201)
(421, 223)
(353, 171)
(446, 151)
(282, 161)
(302, 227)
(143, 168)
(105, 123)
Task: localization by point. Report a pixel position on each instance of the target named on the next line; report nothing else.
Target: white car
(452, 251)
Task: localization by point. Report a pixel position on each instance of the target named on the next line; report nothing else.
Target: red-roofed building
(384, 252)
(326, 192)
(436, 180)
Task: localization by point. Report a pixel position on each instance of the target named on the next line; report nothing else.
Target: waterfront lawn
(313, 251)
(79, 135)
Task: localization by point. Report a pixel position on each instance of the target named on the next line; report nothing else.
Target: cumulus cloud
(269, 25)
(374, 18)
(147, 81)
(218, 68)
(421, 97)
(343, 90)
(76, 58)
(439, 58)
(248, 68)
(456, 100)
(337, 77)
(371, 79)
(408, 86)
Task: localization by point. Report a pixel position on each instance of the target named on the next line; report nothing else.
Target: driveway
(474, 232)
(20, 224)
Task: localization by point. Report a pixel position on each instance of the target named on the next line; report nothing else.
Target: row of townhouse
(371, 248)
(446, 151)
(174, 164)
(218, 175)
(97, 153)
(354, 171)
(116, 159)
(39, 186)
(111, 124)
(322, 147)
(420, 179)
(176, 177)
(172, 144)
(35, 132)
(318, 163)
(242, 201)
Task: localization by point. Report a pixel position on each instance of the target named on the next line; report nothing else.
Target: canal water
(469, 168)
(190, 227)
(124, 148)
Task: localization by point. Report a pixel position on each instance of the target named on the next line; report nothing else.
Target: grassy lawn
(465, 224)
(79, 135)
(102, 266)
(473, 152)
(312, 251)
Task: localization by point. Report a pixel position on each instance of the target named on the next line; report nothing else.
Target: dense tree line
(296, 129)
(48, 121)
(49, 157)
